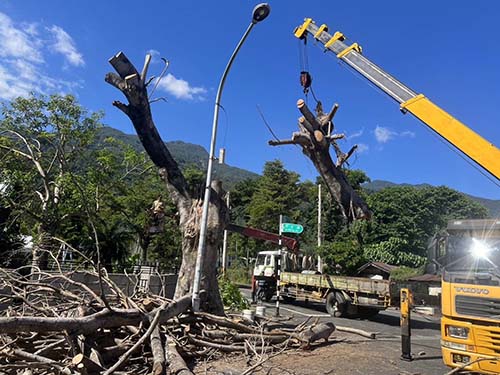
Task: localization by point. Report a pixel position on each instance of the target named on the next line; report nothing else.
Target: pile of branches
(52, 323)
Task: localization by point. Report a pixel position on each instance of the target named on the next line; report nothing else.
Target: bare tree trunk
(42, 244)
(133, 85)
(315, 137)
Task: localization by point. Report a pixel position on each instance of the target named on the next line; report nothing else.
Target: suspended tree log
(134, 86)
(315, 137)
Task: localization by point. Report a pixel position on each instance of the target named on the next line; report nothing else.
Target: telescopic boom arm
(481, 151)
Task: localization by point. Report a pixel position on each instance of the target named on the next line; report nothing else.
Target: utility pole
(320, 263)
(260, 12)
(224, 244)
(278, 271)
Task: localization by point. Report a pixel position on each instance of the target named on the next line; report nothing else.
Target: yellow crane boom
(480, 150)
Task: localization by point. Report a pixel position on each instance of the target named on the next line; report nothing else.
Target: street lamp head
(260, 12)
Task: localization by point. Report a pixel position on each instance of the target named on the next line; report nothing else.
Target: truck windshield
(473, 255)
(261, 259)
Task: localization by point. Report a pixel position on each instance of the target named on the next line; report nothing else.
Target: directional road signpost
(291, 228)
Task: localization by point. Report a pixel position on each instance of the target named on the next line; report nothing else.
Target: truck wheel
(288, 299)
(260, 295)
(269, 296)
(336, 304)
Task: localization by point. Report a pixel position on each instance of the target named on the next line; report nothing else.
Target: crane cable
(305, 77)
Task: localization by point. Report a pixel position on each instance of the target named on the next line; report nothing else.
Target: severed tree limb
(166, 311)
(144, 72)
(90, 323)
(176, 364)
(86, 365)
(370, 335)
(222, 347)
(87, 324)
(154, 324)
(341, 160)
(18, 353)
(158, 352)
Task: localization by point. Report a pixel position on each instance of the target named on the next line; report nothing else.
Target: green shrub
(394, 251)
(231, 295)
(239, 275)
(404, 273)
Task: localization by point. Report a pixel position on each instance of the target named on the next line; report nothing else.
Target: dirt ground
(344, 354)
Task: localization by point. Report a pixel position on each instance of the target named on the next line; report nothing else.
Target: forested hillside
(76, 186)
(186, 154)
(492, 205)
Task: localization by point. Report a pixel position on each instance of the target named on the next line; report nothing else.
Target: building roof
(427, 278)
(379, 265)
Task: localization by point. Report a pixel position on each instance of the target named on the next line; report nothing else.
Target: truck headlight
(458, 332)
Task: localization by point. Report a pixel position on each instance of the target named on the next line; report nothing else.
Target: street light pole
(260, 12)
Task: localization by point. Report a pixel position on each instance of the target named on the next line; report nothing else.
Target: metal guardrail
(131, 268)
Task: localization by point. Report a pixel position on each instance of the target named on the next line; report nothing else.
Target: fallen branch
(370, 335)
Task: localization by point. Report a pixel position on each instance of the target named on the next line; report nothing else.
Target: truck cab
(470, 326)
(266, 264)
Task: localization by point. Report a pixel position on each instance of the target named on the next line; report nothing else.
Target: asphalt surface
(380, 356)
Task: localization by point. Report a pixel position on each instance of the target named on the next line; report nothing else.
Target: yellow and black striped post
(406, 304)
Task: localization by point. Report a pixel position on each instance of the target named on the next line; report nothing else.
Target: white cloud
(65, 45)
(155, 55)
(407, 133)
(22, 58)
(180, 88)
(15, 42)
(357, 134)
(362, 147)
(384, 135)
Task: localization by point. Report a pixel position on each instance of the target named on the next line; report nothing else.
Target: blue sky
(446, 50)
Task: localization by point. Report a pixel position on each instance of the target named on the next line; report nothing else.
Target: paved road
(386, 350)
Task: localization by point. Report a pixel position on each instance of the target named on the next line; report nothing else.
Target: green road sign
(291, 228)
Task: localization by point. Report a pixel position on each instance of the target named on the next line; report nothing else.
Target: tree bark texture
(315, 138)
(88, 324)
(133, 85)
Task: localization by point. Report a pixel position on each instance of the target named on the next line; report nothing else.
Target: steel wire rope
(310, 170)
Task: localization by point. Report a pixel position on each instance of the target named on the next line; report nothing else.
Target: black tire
(260, 296)
(288, 299)
(269, 296)
(336, 305)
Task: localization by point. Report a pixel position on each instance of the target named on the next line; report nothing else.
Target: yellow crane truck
(470, 291)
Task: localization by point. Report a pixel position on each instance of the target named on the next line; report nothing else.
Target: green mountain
(185, 154)
(491, 204)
